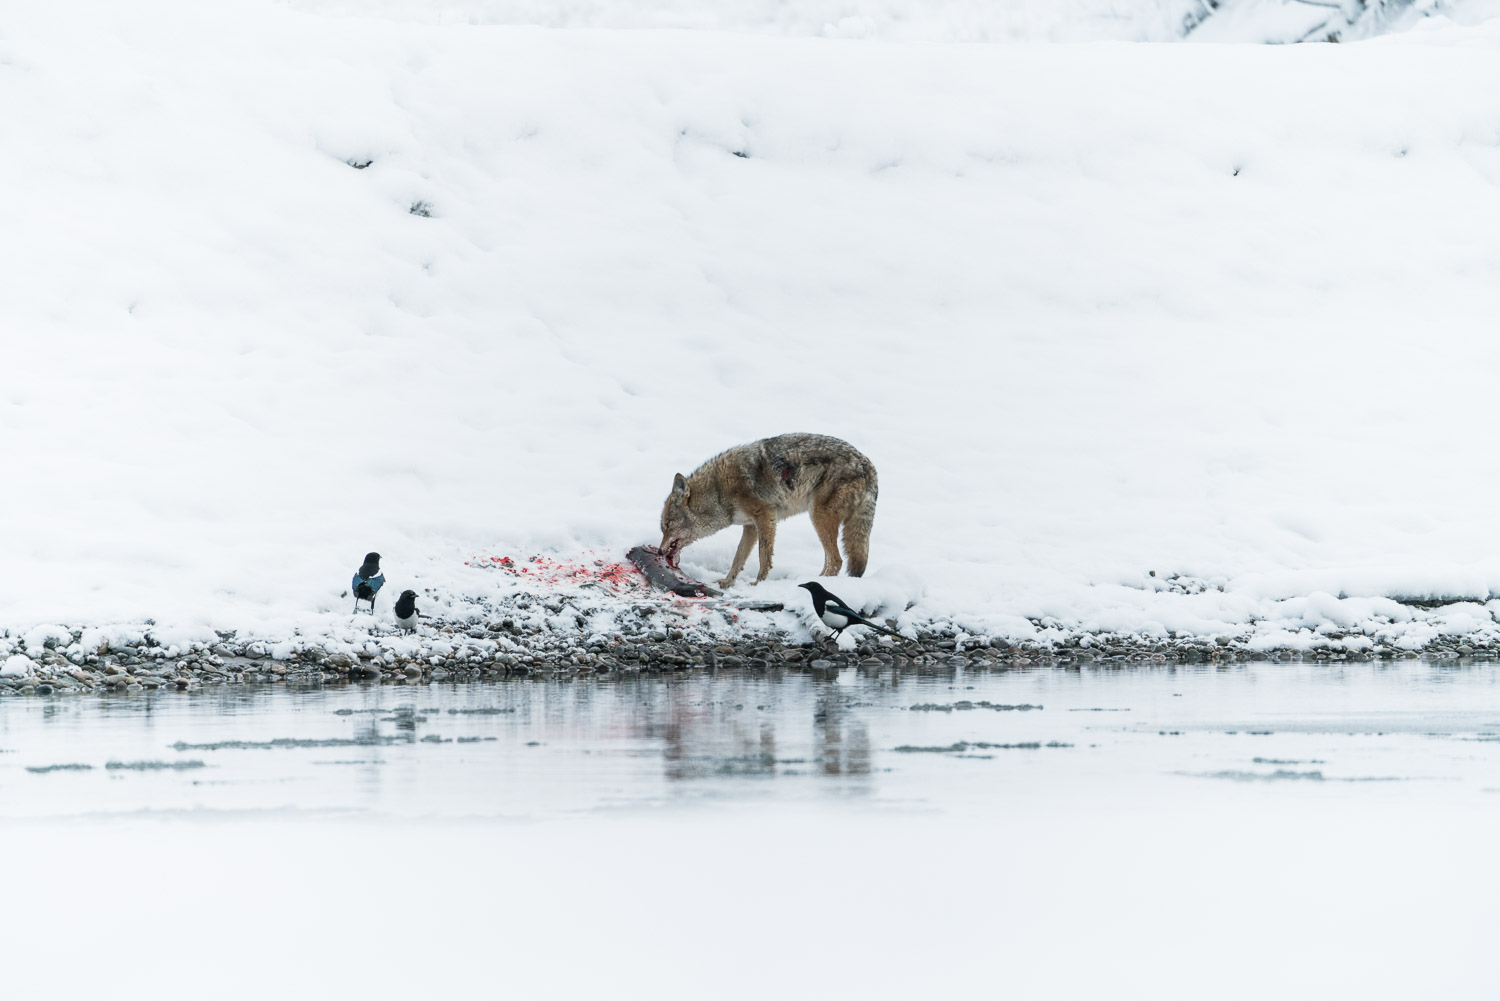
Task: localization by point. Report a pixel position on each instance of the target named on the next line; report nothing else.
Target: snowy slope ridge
(288, 287)
(950, 20)
(1285, 21)
(889, 20)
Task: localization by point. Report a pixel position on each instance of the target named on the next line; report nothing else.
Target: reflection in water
(842, 741)
(708, 738)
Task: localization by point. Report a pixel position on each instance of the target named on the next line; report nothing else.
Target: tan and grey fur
(766, 481)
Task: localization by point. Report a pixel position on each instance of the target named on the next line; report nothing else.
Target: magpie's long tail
(878, 628)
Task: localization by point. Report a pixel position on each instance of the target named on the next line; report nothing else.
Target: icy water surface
(952, 743)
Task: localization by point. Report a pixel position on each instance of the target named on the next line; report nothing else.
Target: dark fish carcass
(665, 577)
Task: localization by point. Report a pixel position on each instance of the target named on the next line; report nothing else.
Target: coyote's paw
(724, 584)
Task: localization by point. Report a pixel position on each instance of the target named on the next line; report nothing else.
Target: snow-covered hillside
(285, 286)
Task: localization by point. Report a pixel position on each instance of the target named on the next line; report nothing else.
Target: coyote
(759, 484)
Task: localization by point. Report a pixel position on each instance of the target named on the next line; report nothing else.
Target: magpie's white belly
(835, 621)
(407, 623)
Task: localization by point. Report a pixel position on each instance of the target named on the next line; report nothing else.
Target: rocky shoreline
(500, 650)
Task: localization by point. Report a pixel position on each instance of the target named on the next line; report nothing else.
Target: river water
(950, 742)
(1161, 821)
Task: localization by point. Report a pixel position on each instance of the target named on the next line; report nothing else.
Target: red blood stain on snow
(618, 577)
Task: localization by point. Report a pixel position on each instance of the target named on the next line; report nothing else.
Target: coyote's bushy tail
(857, 528)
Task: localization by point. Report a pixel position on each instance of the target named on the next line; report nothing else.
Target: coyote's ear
(679, 486)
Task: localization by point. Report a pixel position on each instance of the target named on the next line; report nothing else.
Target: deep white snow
(1095, 310)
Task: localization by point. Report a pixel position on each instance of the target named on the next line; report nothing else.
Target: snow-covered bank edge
(580, 632)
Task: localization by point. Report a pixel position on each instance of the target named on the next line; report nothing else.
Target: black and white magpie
(367, 581)
(406, 610)
(836, 613)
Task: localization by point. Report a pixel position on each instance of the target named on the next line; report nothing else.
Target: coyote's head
(683, 521)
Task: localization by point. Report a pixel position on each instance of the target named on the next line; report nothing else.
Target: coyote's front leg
(747, 542)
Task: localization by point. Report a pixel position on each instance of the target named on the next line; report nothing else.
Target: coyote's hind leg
(826, 520)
